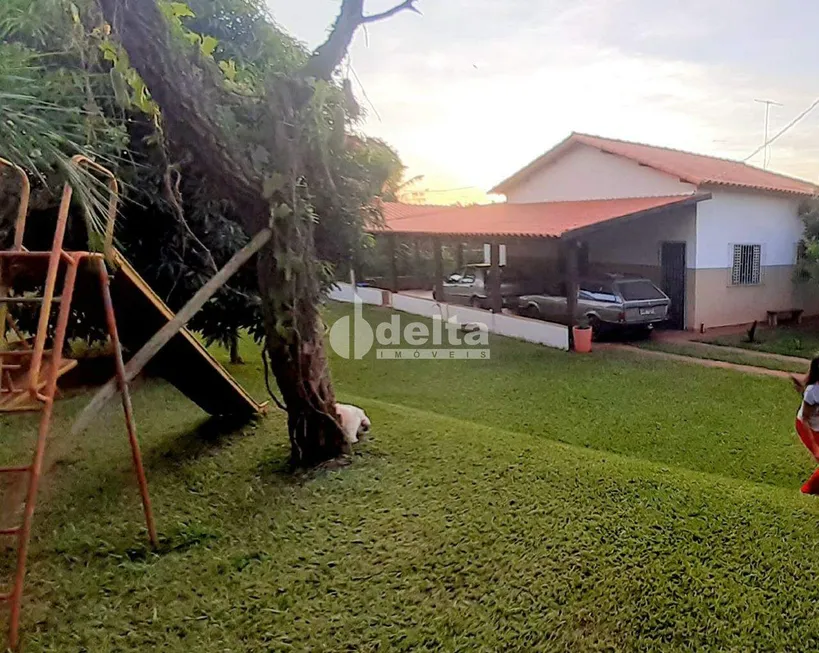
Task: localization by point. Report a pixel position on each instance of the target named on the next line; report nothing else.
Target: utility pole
(766, 148)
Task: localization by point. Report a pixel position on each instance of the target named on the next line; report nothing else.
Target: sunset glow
(472, 91)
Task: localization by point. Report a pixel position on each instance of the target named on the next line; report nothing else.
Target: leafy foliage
(67, 86)
(225, 124)
(807, 264)
(52, 102)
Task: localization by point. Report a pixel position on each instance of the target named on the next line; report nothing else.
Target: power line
(782, 131)
(364, 91)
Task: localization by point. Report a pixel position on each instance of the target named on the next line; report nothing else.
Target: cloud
(472, 91)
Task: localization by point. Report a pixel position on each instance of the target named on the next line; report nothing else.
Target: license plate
(646, 311)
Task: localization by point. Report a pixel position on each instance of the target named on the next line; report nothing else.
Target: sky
(472, 90)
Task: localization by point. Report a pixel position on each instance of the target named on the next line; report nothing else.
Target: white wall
(418, 305)
(586, 173)
(537, 331)
(731, 217)
(343, 292)
(512, 326)
(522, 328)
(638, 242)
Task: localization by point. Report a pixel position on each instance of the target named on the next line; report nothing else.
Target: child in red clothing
(807, 419)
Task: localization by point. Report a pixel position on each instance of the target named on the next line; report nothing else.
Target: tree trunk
(315, 436)
(235, 358)
(189, 98)
(299, 364)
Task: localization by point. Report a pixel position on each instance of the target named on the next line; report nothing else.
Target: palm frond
(44, 121)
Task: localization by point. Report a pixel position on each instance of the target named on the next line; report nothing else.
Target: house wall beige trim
(718, 303)
(691, 299)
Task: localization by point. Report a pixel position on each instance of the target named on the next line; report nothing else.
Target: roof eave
(759, 189)
(585, 139)
(685, 200)
(463, 234)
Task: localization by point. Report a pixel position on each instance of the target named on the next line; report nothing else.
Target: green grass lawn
(698, 418)
(536, 501)
(717, 353)
(800, 341)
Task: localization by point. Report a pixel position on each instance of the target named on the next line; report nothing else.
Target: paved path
(704, 362)
(747, 352)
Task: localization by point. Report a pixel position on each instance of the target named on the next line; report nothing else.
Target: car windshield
(639, 289)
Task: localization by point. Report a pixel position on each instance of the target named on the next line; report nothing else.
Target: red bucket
(582, 339)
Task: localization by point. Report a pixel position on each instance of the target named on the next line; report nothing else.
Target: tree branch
(407, 5)
(189, 98)
(329, 55)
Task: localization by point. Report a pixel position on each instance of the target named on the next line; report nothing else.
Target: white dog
(354, 421)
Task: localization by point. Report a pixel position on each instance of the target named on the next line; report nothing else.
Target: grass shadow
(71, 480)
(281, 469)
(98, 491)
(206, 438)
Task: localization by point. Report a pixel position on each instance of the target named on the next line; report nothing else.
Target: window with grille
(746, 268)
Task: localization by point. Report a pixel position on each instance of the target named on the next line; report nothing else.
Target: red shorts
(810, 439)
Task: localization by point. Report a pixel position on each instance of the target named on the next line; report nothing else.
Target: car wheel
(474, 302)
(596, 326)
(533, 312)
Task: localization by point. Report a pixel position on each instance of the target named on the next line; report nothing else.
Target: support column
(570, 277)
(358, 270)
(418, 262)
(459, 257)
(393, 256)
(439, 269)
(495, 299)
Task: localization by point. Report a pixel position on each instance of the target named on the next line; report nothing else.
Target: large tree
(274, 149)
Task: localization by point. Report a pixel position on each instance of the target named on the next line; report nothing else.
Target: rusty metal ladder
(41, 368)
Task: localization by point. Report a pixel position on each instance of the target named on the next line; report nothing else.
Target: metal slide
(184, 361)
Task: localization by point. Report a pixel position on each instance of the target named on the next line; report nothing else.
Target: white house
(727, 260)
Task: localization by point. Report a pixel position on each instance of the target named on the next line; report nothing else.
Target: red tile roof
(540, 220)
(696, 169)
(398, 210)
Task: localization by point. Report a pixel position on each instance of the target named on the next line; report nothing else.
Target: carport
(551, 230)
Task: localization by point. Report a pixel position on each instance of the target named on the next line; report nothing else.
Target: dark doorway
(673, 282)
